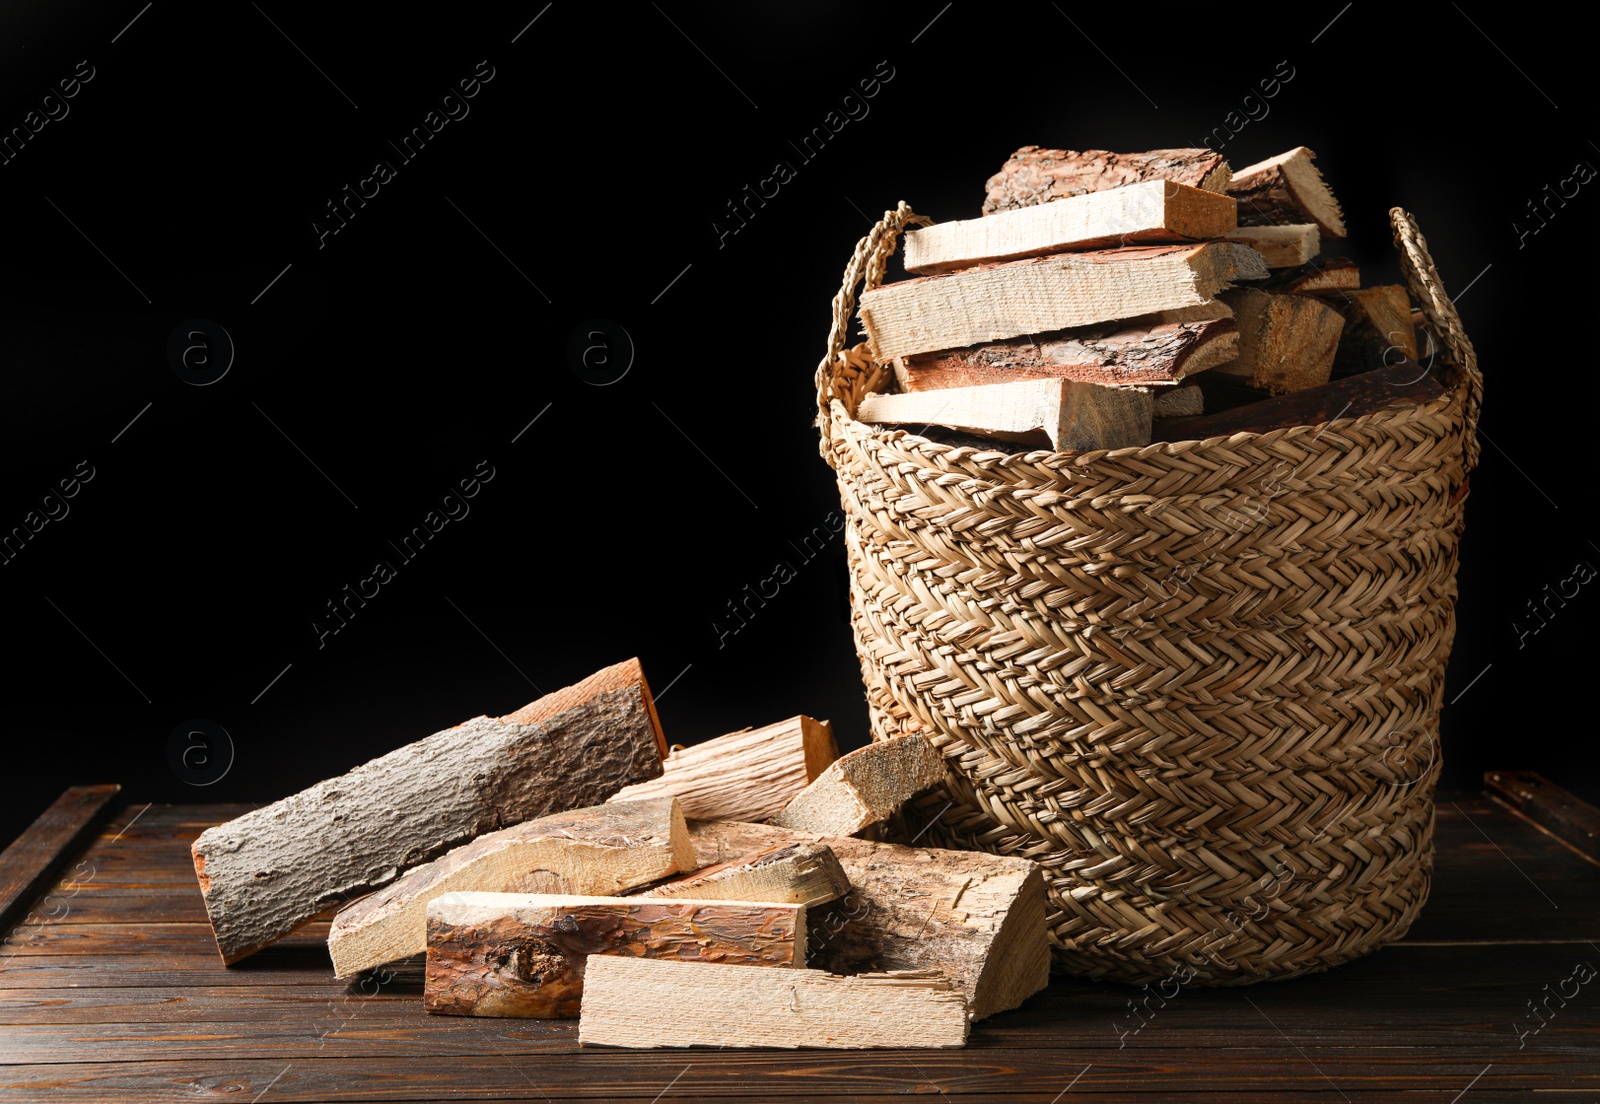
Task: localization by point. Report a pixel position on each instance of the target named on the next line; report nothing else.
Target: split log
(1155, 211)
(977, 918)
(1013, 298)
(637, 1002)
(516, 954)
(1316, 277)
(1180, 402)
(1114, 354)
(1377, 327)
(604, 850)
(1286, 188)
(1399, 384)
(868, 785)
(795, 873)
(746, 775)
(269, 871)
(1286, 342)
(1054, 414)
(1033, 175)
(1280, 246)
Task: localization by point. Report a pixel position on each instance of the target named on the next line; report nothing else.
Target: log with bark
(640, 1002)
(267, 872)
(746, 775)
(1043, 413)
(794, 873)
(1115, 354)
(1286, 246)
(604, 850)
(1398, 384)
(1154, 211)
(1316, 277)
(1286, 342)
(1286, 188)
(999, 301)
(1033, 175)
(515, 954)
(977, 918)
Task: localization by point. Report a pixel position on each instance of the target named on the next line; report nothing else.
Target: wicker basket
(1199, 682)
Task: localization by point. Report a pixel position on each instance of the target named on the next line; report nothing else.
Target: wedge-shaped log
(604, 849)
(517, 954)
(1316, 277)
(1399, 384)
(1377, 327)
(1033, 175)
(269, 871)
(1046, 413)
(796, 873)
(977, 918)
(1180, 402)
(999, 301)
(746, 775)
(866, 786)
(1112, 354)
(1286, 342)
(1286, 188)
(1286, 246)
(639, 1002)
(1154, 211)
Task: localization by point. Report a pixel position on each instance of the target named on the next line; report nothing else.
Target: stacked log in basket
(1152, 521)
(558, 862)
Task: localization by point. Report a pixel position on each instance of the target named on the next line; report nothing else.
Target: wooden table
(111, 989)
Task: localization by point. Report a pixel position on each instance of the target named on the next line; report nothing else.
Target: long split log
(269, 871)
(1013, 298)
(601, 850)
(746, 775)
(1044, 413)
(977, 918)
(1287, 246)
(513, 954)
(637, 1002)
(1155, 211)
(1033, 175)
(796, 873)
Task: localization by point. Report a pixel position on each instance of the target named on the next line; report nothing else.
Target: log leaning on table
(267, 872)
(796, 873)
(602, 850)
(994, 302)
(638, 1002)
(747, 775)
(517, 954)
(977, 918)
(1033, 175)
(1154, 211)
(865, 787)
(1116, 353)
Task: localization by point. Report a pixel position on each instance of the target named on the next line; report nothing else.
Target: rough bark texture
(978, 918)
(1287, 246)
(866, 786)
(797, 873)
(604, 849)
(635, 1002)
(746, 775)
(1286, 342)
(1033, 175)
(1326, 274)
(1377, 327)
(507, 954)
(1113, 354)
(1397, 385)
(999, 301)
(1286, 188)
(1045, 413)
(1155, 211)
(267, 872)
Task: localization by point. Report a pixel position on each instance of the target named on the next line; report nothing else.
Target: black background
(421, 339)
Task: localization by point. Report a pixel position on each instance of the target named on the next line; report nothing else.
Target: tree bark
(267, 872)
(1286, 188)
(1033, 175)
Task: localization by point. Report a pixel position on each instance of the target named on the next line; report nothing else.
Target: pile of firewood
(1092, 307)
(559, 862)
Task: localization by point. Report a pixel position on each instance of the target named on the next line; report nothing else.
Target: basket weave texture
(1199, 682)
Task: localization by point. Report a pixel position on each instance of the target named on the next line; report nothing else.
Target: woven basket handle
(1443, 322)
(867, 265)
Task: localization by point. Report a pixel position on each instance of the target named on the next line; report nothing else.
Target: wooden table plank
(32, 860)
(1565, 816)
